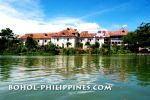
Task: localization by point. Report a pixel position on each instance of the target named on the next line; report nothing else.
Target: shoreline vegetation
(140, 38)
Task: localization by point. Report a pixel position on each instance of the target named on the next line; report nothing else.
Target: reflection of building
(70, 37)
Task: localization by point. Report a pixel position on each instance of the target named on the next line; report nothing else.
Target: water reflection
(117, 68)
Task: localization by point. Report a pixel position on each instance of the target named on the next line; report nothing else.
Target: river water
(129, 77)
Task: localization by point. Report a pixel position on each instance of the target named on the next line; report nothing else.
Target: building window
(38, 40)
(89, 39)
(97, 39)
(67, 39)
(45, 40)
(57, 39)
(81, 40)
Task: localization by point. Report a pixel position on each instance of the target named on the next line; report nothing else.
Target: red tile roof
(121, 32)
(69, 32)
(85, 34)
(37, 35)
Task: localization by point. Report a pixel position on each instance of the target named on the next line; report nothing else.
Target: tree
(30, 43)
(139, 38)
(7, 33)
(51, 48)
(114, 49)
(96, 45)
(143, 34)
(105, 49)
(6, 39)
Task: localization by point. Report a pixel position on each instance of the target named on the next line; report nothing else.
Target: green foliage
(30, 44)
(7, 33)
(114, 49)
(68, 51)
(105, 49)
(7, 39)
(96, 45)
(79, 45)
(79, 51)
(139, 38)
(122, 49)
(132, 40)
(143, 35)
(51, 48)
(96, 51)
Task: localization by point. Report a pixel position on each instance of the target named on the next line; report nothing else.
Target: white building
(69, 37)
(114, 37)
(91, 38)
(66, 38)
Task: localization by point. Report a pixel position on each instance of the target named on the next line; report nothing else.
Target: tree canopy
(7, 33)
(138, 38)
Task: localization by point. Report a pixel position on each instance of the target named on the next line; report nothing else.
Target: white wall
(117, 42)
(43, 41)
(93, 40)
(100, 40)
(63, 40)
(72, 40)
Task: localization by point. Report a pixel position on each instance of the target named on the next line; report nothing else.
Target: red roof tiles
(38, 35)
(121, 32)
(69, 32)
(85, 34)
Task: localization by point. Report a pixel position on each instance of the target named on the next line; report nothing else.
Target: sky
(30, 16)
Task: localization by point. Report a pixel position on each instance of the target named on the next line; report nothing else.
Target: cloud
(117, 26)
(26, 16)
(105, 10)
(124, 25)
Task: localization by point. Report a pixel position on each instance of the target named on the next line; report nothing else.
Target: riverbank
(50, 54)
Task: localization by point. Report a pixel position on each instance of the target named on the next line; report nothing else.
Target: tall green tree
(7, 33)
(143, 35)
(31, 44)
(138, 38)
(7, 39)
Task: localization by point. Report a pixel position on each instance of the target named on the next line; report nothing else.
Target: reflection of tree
(6, 65)
(143, 70)
(96, 61)
(78, 61)
(118, 67)
(112, 65)
(31, 61)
